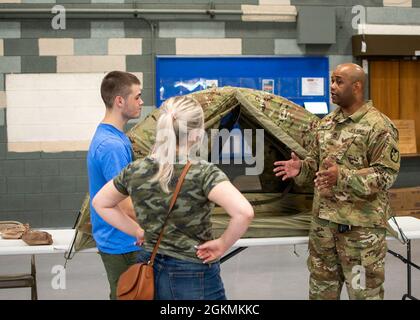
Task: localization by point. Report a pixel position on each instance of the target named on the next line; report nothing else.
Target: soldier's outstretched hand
(288, 169)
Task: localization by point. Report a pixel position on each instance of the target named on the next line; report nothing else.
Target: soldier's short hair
(117, 83)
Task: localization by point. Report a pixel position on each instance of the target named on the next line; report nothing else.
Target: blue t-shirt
(109, 152)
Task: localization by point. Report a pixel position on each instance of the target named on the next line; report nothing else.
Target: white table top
(61, 242)
(409, 225)
(62, 239)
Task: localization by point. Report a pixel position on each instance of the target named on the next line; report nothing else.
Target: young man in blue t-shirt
(109, 152)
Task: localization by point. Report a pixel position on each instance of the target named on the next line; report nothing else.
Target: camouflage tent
(281, 208)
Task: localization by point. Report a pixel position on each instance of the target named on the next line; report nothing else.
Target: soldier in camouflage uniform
(186, 266)
(354, 161)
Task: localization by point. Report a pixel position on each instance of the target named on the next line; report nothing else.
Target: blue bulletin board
(300, 79)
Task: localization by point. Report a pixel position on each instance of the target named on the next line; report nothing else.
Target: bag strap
(173, 200)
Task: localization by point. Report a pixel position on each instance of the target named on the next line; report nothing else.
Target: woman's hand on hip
(139, 236)
(211, 250)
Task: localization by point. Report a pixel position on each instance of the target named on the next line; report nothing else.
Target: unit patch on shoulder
(395, 155)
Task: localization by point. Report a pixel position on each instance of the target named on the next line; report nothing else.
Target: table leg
(34, 291)
(232, 254)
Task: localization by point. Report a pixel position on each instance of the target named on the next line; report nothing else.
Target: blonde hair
(179, 129)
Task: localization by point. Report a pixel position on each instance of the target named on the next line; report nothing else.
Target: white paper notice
(212, 84)
(313, 86)
(316, 107)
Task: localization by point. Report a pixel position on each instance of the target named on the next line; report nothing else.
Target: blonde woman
(187, 264)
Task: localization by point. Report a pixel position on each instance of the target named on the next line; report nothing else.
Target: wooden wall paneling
(410, 94)
(384, 87)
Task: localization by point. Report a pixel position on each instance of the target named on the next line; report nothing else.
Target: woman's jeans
(177, 279)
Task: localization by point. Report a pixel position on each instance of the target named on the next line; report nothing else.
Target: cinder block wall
(46, 188)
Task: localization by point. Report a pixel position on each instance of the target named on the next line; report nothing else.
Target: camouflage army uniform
(189, 224)
(364, 146)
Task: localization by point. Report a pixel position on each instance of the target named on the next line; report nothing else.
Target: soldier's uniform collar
(355, 117)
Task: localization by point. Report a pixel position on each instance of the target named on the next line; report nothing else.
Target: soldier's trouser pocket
(326, 276)
(362, 255)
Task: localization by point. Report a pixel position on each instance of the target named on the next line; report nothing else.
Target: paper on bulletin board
(214, 83)
(313, 87)
(268, 85)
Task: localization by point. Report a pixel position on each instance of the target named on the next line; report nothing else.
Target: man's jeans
(177, 279)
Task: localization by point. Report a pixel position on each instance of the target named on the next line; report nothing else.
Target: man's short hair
(117, 83)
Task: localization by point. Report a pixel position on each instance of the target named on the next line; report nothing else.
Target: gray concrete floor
(269, 273)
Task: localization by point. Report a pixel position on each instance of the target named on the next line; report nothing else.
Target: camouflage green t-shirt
(189, 223)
